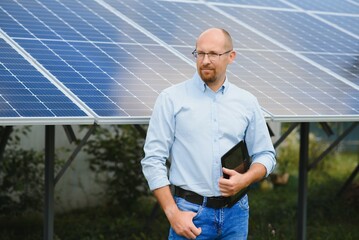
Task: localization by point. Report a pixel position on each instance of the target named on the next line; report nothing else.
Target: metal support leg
(303, 181)
(333, 145)
(49, 182)
(74, 153)
(285, 135)
(348, 181)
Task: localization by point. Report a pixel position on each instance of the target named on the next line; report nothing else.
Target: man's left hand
(233, 184)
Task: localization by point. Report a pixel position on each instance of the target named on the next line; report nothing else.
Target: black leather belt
(212, 202)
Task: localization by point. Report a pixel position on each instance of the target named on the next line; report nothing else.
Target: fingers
(231, 186)
(194, 231)
(185, 226)
(229, 172)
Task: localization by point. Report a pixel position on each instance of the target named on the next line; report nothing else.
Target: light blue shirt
(193, 127)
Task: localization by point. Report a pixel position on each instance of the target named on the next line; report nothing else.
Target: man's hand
(181, 221)
(233, 184)
(238, 181)
(182, 224)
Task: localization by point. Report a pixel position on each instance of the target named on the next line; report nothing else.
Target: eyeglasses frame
(218, 55)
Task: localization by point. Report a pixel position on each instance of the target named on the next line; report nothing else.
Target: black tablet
(237, 158)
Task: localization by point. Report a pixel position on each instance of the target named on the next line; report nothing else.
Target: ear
(232, 56)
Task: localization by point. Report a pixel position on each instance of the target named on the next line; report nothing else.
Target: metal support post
(303, 181)
(49, 182)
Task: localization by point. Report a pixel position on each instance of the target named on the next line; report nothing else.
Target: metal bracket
(74, 153)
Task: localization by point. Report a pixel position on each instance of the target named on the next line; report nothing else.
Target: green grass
(273, 212)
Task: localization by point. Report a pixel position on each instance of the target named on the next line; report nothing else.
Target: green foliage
(21, 177)
(288, 152)
(116, 153)
(112, 223)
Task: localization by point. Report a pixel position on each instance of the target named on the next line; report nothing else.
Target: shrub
(21, 176)
(116, 153)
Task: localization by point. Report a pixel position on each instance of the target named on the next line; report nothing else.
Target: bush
(288, 152)
(21, 176)
(116, 153)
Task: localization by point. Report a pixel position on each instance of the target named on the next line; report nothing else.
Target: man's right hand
(182, 224)
(181, 221)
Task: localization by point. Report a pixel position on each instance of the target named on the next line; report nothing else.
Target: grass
(273, 212)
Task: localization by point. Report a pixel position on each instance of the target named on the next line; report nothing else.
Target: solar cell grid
(295, 81)
(346, 65)
(262, 3)
(116, 56)
(335, 6)
(349, 23)
(183, 31)
(151, 16)
(297, 31)
(26, 94)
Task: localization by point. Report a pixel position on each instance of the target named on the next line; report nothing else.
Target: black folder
(237, 158)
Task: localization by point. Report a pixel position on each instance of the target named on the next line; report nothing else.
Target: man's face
(212, 70)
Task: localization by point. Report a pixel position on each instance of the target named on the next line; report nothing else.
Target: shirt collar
(203, 86)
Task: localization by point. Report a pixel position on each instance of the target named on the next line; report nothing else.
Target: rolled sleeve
(267, 159)
(258, 140)
(158, 143)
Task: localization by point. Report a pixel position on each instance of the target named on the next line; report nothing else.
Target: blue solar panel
(332, 6)
(255, 3)
(298, 58)
(26, 94)
(296, 88)
(345, 65)
(348, 23)
(297, 30)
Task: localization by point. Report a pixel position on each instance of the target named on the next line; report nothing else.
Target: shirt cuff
(158, 182)
(267, 160)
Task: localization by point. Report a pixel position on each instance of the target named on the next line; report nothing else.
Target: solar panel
(114, 57)
(27, 97)
(251, 3)
(296, 30)
(332, 6)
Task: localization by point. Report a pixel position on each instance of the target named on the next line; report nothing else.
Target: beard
(208, 74)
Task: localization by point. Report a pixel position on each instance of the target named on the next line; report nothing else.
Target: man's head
(214, 50)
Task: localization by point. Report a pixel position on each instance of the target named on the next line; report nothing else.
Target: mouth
(206, 69)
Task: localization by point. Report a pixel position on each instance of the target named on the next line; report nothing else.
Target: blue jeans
(224, 223)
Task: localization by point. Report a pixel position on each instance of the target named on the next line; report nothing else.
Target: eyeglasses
(211, 55)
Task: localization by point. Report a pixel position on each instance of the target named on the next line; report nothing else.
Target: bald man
(193, 124)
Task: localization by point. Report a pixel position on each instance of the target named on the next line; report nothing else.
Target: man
(193, 124)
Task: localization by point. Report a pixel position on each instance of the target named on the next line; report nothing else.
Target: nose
(206, 59)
